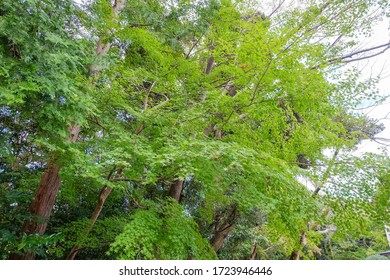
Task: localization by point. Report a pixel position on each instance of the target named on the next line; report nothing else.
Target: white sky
(379, 65)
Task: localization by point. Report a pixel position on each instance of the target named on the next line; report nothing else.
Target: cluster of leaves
(212, 94)
(161, 232)
(365, 246)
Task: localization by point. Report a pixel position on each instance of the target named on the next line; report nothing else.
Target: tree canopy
(186, 130)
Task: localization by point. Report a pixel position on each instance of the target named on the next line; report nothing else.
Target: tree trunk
(41, 206)
(224, 223)
(210, 61)
(48, 188)
(46, 194)
(176, 189)
(296, 255)
(220, 236)
(44, 199)
(253, 253)
(209, 66)
(104, 193)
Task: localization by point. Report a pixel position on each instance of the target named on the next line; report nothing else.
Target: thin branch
(97, 123)
(387, 45)
(132, 25)
(276, 9)
(162, 103)
(369, 56)
(194, 45)
(343, 58)
(147, 91)
(376, 104)
(336, 41)
(120, 180)
(327, 173)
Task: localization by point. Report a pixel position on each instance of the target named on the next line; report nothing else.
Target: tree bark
(209, 66)
(253, 253)
(176, 189)
(224, 224)
(44, 200)
(103, 195)
(46, 193)
(210, 61)
(220, 236)
(296, 255)
(41, 207)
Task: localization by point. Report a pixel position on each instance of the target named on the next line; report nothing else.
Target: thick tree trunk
(41, 206)
(47, 191)
(224, 223)
(44, 199)
(46, 194)
(220, 236)
(176, 189)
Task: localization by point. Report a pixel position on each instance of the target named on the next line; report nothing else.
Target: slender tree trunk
(103, 195)
(326, 175)
(296, 255)
(210, 61)
(209, 66)
(253, 253)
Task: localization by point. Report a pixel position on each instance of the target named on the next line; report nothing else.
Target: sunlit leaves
(161, 232)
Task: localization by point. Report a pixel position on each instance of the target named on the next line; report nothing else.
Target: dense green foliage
(234, 105)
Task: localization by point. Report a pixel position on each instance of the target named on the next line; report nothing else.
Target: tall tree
(190, 117)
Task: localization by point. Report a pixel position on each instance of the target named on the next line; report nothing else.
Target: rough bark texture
(41, 206)
(176, 189)
(220, 236)
(44, 199)
(209, 66)
(210, 61)
(224, 223)
(48, 188)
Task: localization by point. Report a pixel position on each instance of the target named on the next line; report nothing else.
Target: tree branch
(350, 55)
(276, 9)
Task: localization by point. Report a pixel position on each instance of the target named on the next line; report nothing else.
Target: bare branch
(336, 41)
(369, 56)
(276, 9)
(194, 45)
(387, 45)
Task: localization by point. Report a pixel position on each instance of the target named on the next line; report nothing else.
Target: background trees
(184, 129)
